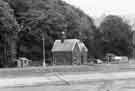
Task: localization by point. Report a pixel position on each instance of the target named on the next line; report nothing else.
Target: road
(114, 81)
(106, 85)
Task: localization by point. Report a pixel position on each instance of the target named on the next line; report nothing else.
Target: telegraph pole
(43, 39)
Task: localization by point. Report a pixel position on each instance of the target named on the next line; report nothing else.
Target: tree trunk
(5, 56)
(5, 52)
(13, 48)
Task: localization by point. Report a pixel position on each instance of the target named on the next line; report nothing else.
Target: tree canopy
(22, 23)
(117, 35)
(51, 17)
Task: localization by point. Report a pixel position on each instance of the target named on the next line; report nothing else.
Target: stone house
(69, 52)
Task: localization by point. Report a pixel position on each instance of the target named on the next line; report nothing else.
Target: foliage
(23, 22)
(116, 35)
(8, 29)
(50, 17)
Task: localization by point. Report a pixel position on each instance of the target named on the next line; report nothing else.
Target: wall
(62, 58)
(76, 55)
(84, 59)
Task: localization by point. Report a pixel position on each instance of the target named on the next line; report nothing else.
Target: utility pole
(43, 39)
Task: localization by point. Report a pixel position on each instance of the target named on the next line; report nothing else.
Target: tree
(49, 17)
(116, 35)
(8, 28)
(41, 21)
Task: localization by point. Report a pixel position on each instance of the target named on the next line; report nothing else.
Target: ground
(98, 78)
(108, 85)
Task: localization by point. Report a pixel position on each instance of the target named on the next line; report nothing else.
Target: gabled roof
(67, 45)
(82, 46)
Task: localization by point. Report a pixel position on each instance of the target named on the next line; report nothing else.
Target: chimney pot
(63, 37)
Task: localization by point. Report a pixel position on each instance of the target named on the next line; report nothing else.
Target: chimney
(63, 37)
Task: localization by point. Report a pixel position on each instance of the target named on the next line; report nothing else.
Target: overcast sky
(96, 8)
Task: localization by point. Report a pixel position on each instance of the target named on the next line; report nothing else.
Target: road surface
(106, 85)
(115, 81)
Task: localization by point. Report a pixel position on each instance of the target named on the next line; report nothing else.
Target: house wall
(76, 55)
(84, 58)
(62, 58)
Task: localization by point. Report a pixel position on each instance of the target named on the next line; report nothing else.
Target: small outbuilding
(23, 62)
(69, 51)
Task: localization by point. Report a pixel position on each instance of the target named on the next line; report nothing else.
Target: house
(23, 62)
(121, 59)
(69, 51)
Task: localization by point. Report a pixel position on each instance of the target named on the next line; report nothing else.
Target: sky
(97, 8)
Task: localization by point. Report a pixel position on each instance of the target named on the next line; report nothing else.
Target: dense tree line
(23, 23)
